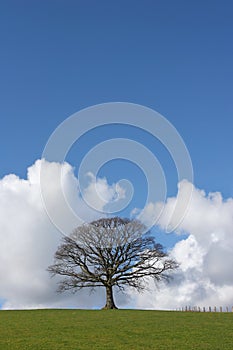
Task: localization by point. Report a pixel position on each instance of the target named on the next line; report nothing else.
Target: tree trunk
(109, 298)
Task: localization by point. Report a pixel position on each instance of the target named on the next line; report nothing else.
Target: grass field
(114, 329)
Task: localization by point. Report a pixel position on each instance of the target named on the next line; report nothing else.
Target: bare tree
(110, 252)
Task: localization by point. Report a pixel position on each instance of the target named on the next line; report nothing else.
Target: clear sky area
(175, 57)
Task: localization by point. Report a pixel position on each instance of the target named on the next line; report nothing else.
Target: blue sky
(58, 57)
(175, 57)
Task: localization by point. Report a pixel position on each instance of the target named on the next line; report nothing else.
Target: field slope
(114, 329)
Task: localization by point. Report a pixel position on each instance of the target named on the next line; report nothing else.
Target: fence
(205, 309)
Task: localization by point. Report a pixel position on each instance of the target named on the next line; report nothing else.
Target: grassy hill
(114, 329)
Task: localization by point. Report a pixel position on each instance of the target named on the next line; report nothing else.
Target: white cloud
(206, 256)
(29, 239)
(99, 193)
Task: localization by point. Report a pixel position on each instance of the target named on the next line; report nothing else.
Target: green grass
(114, 329)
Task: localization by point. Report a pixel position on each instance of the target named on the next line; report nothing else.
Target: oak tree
(110, 252)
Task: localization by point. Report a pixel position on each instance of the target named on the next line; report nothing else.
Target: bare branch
(110, 252)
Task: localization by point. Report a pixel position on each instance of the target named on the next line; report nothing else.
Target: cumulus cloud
(29, 239)
(205, 256)
(99, 193)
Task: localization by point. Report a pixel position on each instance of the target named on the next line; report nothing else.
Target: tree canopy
(110, 252)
